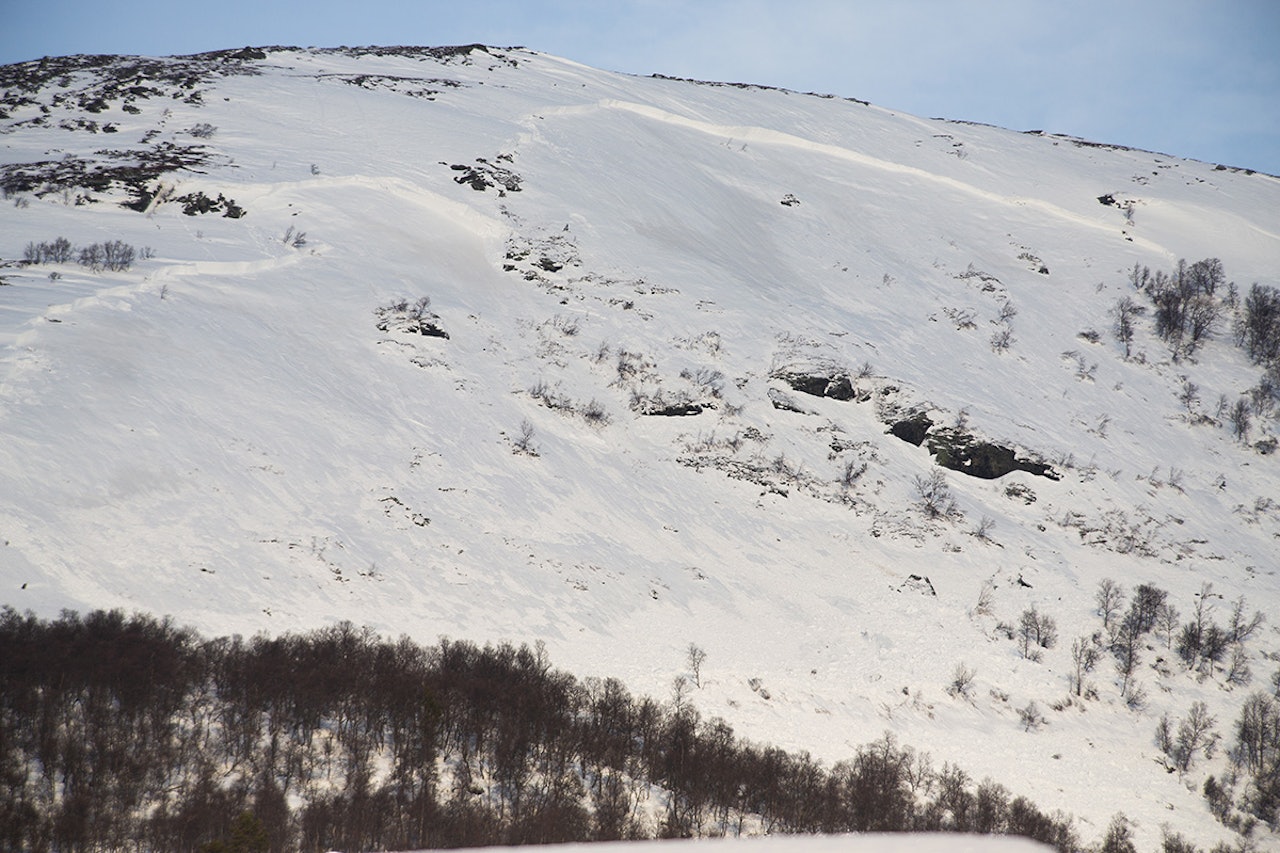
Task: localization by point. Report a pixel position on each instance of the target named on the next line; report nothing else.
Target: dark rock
(913, 429)
(676, 410)
(840, 388)
(784, 403)
(918, 583)
(836, 386)
(814, 385)
(960, 451)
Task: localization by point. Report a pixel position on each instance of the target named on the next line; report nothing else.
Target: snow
(866, 843)
(222, 434)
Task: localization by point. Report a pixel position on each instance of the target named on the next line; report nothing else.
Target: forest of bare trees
(128, 732)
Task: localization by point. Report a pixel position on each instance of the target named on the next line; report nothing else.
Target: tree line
(126, 731)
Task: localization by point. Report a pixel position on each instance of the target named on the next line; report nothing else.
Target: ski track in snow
(766, 136)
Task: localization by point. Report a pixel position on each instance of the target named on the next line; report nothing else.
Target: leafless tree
(1110, 598)
(1195, 735)
(1084, 657)
(1188, 396)
(695, 657)
(1240, 418)
(1125, 312)
(1035, 631)
(1126, 645)
(1167, 623)
(1242, 627)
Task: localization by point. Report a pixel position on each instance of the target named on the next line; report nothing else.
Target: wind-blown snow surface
(223, 433)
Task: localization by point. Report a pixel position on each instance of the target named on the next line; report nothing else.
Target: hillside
(674, 337)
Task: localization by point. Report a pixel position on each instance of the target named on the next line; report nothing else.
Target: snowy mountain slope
(222, 432)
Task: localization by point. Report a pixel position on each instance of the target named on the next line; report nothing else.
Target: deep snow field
(224, 433)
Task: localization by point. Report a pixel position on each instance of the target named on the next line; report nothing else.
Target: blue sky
(1195, 78)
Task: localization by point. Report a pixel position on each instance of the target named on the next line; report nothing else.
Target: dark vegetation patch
(100, 83)
(669, 406)
(89, 85)
(410, 318)
(705, 389)
(986, 281)
(85, 85)
(414, 87)
(677, 410)
(132, 170)
(117, 729)
(82, 87)
(484, 175)
(533, 259)
(194, 204)
(446, 53)
(754, 86)
(80, 123)
(1020, 492)
(462, 53)
(246, 54)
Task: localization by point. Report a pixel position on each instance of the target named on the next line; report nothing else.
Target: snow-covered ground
(223, 432)
(867, 843)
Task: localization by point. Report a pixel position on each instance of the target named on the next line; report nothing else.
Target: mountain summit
(870, 410)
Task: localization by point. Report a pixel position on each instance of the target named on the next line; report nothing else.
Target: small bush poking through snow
(961, 685)
(411, 318)
(1030, 717)
(523, 443)
(595, 413)
(294, 239)
(934, 497)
